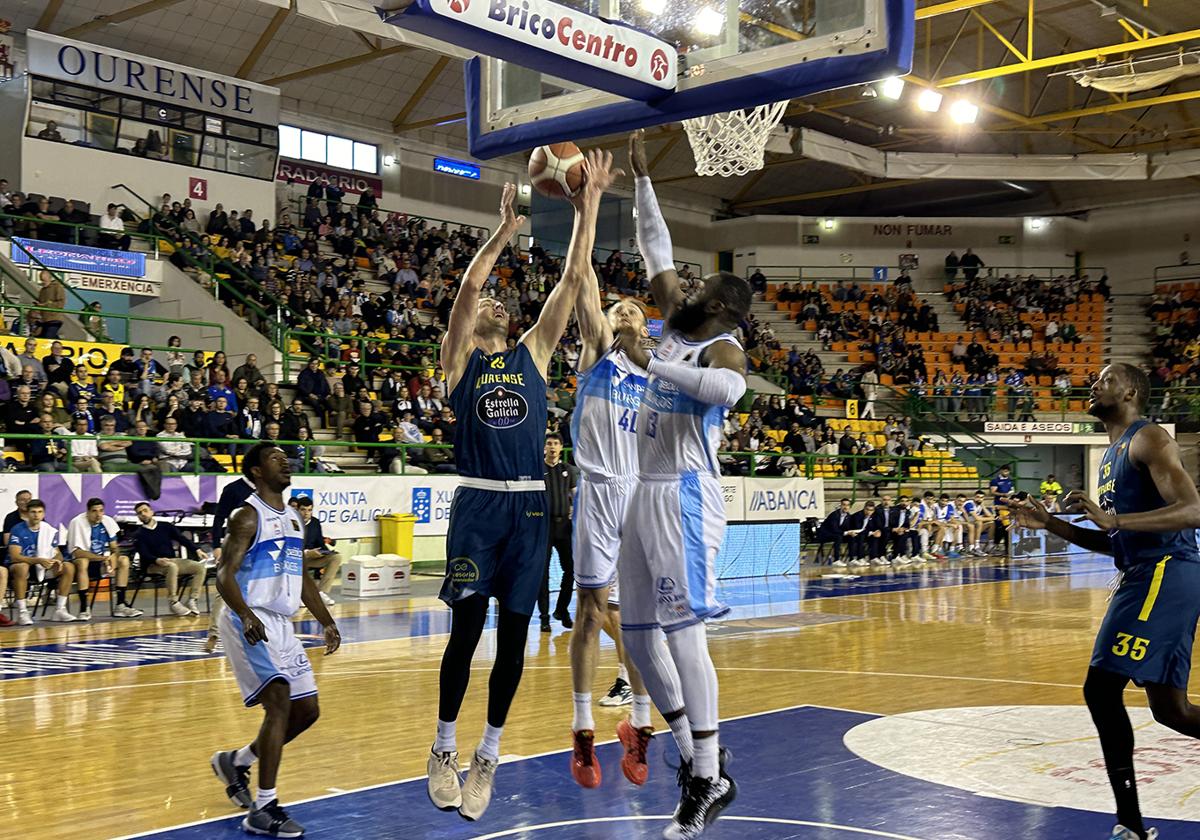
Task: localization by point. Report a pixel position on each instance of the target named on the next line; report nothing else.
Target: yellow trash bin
(396, 533)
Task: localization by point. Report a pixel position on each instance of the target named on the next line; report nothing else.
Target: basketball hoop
(732, 143)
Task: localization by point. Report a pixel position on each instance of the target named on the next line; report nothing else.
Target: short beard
(688, 318)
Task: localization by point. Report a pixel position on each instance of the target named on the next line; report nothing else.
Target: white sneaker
(860, 562)
(903, 560)
(86, 615)
(193, 607)
(122, 611)
(1120, 832)
(883, 561)
(477, 792)
(445, 786)
(179, 609)
(23, 617)
(838, 564)
(328, 601)
(62, 614)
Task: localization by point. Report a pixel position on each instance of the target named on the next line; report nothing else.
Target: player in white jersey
(676, 518)
(604, 427)
(261, 578)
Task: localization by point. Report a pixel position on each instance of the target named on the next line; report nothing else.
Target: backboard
(731, 54)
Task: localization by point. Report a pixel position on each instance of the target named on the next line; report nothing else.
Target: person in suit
(906, 542)
(857, 532)
(830, 531)
(887, 518)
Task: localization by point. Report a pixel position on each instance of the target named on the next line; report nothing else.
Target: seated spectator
(92, 546)
(21, 416)
(142, 453)
(438, 455)
(293, 420)
(112, 230)
(110, 408)
(318, 552)
(155, 545)
(84, 448)
(249, 371)
(51, 132)
(219, 389)
(47, 454)
(174, 453)
(111, 453)
(368, 427)
(125, 367)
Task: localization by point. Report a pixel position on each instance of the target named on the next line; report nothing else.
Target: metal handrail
(77, 227)
(235, 442)
(326, 355)
(22, 307)
(302, 200)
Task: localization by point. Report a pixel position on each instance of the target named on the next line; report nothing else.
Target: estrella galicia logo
(658, 65)
(501, 408)
(422, 504)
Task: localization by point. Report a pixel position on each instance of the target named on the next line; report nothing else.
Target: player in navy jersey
(1146, 516)
(496, 543)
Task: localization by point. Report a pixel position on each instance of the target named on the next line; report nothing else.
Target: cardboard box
(365, 577)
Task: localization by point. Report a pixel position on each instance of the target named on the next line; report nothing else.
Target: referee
(561, 479)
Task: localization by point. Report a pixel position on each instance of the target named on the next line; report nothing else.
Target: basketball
(556, 171)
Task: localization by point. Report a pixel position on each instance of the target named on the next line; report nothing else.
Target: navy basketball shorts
(496, 547)
(1151, 621)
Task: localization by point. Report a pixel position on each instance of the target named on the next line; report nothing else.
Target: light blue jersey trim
(691, 508)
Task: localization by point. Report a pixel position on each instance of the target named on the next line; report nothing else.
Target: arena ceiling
(1028, 103)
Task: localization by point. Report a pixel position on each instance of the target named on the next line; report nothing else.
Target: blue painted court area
(796, 780)
(748, 597)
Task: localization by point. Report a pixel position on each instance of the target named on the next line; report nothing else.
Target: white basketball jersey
(604, 425)
(270, 574)
(678, 434)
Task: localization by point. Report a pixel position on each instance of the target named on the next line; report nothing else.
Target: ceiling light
(389, 160)
(929, 100)
(892, 87)
(1037, 224)
(828, 224)
(653, 7)
(964, 112)
(709, 21)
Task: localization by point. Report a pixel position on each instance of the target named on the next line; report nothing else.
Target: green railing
(1176, 273)
(36, 265)
(269, 323)
(831, 274)
(328, 347)
(128, 320)
(201, 447)
(73, 233)
(301, 203)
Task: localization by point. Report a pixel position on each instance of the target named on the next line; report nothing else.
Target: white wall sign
(781, 499)
(117, 285)
(100, 67)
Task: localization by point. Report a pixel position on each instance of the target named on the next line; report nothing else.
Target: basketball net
(732, 143)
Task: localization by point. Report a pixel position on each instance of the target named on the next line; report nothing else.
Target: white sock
(61, 602)
(706, 763)
(583, 711)
(245, 757)
(263, 797)
(21, 605)
(447, 740)
(489, 747)
(682, 730)
(641, 711)
(622, 672)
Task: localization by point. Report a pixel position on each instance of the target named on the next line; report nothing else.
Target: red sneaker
(5, 621)
(636, 742)
(585, 769)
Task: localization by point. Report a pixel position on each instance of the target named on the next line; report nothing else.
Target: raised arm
(545, 334)
(459, 339)
(721, 379)
(654, 240)
(595, 333)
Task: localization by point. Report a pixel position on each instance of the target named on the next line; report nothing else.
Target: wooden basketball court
(108, 728)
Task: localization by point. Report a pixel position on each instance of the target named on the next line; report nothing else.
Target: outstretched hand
(598, 176)
(1078, 502)
(1030, 514)
(637, 153)
(509, 220)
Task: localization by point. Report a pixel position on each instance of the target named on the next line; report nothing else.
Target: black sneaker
(683, 774)
(565, 618)
(271, 821)
(236, 779)
(619, 695)
(545, 625)
(702, 803)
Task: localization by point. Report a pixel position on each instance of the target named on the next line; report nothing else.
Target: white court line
(772, 820)
(366, 788)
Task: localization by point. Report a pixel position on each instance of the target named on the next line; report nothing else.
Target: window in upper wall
(330, 149)
(77, 115)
